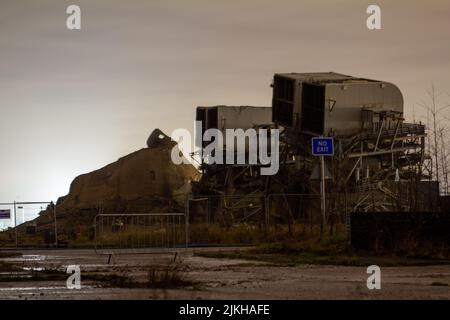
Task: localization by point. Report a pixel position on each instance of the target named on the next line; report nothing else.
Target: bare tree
(437, 123)
(444, 158)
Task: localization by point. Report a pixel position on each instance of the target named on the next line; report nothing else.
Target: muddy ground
(41, 275)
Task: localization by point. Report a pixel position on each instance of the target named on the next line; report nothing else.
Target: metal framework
(140, 233)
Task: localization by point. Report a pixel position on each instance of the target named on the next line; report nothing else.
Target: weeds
(172, 275)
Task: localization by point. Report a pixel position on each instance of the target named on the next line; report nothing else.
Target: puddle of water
(15, 275)
(26, 258)
(43, 288)
(33, 269)
(12, 273)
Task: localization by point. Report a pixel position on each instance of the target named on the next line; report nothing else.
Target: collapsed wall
(144, 181)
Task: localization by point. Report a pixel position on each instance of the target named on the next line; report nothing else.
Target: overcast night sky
(73, 101)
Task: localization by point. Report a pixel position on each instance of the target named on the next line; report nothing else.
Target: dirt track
(226, 279)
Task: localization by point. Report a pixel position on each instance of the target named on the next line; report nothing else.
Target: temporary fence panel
(140, 232)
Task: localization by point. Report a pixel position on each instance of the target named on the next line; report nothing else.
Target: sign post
(322, 147)
(15, 224)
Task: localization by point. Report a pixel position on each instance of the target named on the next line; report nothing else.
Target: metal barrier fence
(254, 218)
(208, 220)
(225, 220)
(248, 219)
(140, 232)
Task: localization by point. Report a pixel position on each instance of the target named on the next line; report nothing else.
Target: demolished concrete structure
(143, 181)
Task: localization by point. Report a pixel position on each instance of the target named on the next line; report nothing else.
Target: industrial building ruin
(376, 151)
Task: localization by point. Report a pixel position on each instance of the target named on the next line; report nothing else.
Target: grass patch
(172, 275)
(166, 279)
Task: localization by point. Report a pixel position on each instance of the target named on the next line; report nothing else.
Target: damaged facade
(143, 181)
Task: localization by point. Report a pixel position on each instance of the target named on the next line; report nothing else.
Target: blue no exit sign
(322, 146)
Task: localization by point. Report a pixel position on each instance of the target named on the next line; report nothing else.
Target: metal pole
(322, 194)
(266, 215)
(186, 220)
(56, 228)
(15, 224)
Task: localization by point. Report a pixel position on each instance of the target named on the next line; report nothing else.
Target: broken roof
(325, 77)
